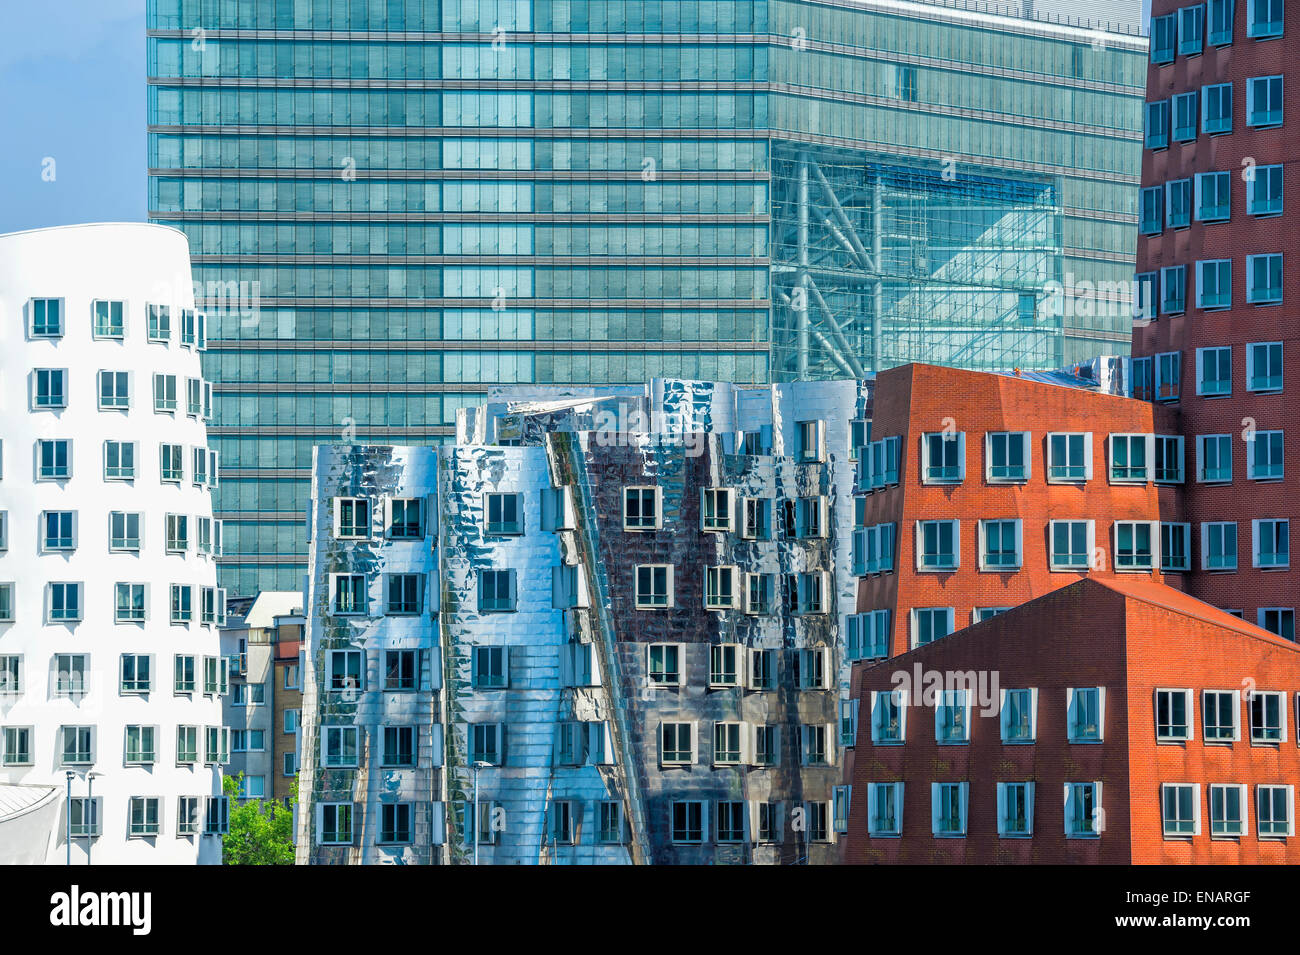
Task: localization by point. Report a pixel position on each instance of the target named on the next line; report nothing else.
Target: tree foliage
(261, 830)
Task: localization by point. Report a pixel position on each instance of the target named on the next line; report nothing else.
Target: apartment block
(1216, 341)
(1114, 720)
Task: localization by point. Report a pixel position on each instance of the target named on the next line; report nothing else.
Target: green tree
(261, 830)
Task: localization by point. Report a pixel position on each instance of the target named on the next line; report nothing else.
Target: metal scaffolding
(876, 264)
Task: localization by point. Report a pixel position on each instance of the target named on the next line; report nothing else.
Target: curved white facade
(107, 569)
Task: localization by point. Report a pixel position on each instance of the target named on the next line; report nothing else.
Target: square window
(716, 508)
(503, 514)
(46, 317)
(938, 545)
(1180, 809)
(1264, 366)
(1173, 716)
(1134, 545)
(1219, 709)
(1069, 457)
(1000, 545)
(1227, 810)
(1264, 279)
(640, 508)
(665, 664)
(1264, 101)
(109, 319)
(654, 586)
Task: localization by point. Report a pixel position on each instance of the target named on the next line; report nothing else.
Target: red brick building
(1113, 720)
(1217, 265)
(984, 491)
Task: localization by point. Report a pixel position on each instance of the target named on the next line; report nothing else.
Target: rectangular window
(64, 602)
(346, 670)
(884, 809)
(1129, 462)
(1264, 191)
(767, 745)
(665, 664)
(160, 323)
(868, 635)
(164, 393)
(952, 717)
(54, 459)
(1175, 547)
(948, 809)
(352, 518)
(1186, 117)
(1086, 714)
(810, 669)
(676, 745)
(1264, 279)
(49, 388)
(726, 743)
(119, 461)
(1169, 372)
(888, 717)
(1134, 545)
(216, 817)
(687, 821)
(1164, 34)
(399, 746)
(78, 745)
(139, 745)
(1216, 108)
(1219, 545)
(172, 466)
(1152, 218)
(1083, 810)
(930, 623)
(640, 508)
(503, 514)
(757, 519)
(1213, 372)
(135, 673)
(84, 816)
(1264, 19)
(11, 674)
(187, 745)
(17, 746)
(1219, 709)
(58, 530)
(1169, 458)
(1173, 285)
(178, 533)
(1264, 456)
(395, 823)
(716, 509)
(1180, 809)
(1008, 456)
(110, 319)
(1019, 715)
(999, 545)
(884, 462)
(334, 827)
(724, 665)
(1267, 716)
(943, 457)
(1264, 366)
(1146, 306)
(938, 545)
(1173, 716)
(1072, 545)
(490, 668)
(1214, 458)
(1227, 804)
(1214, 284)
(350, 594)
(1069, 457)
(183, 671)
(1219, 13)
(1275, 811)
(1264, 101)
(654, 586)
(47, 317)
(762, 669)
(487, 743)
(405, 593)
(1278, 620)
(1015, 809)
(811, 436)
(1191, 30)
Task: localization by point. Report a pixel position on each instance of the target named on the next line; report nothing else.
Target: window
(1173, 283)
(726, 743)
(182, 603)
(716, 509)
(938, 545)
(248, 741)
(1264, 456)
(496, 591)
(399, 746)
(848, 722)
(395, 823)
(249, 694)
(188, 332)
(884, 809)
(1275, 811)
(943, 457)
(114, 390)
(1007, 454)
(1278, 620)
(724, 665)
(999, 545)
(811, 521)
(200, 468)
(1180, 805)
(810, 591)
(178, 533)
(187, 745)
(952, 717)
(4, 530)
(767, 745)
(1157, 125)
(1191, 30)
(1015, 809)
(1267, 720)
(405, 593)
(687, 821)
(164, 393)
(172, 466)
(212, 606)
(1219, 14)
(78, 745)
(130, 603)
(1069, 457)
(84, 816)
(183, 674)
(676, 744)
(47, 317)
(17, 746)
(654, 586)
(1264, 18)
(811, 439)
(346, 669)
(756, 519)
(54, 459)
(1086, 714)
(930, 623)
(948, 809)
(64, 602)
(1219, 545)
(1173, 716)
(58, 530)
(1072, 545)
(810, 669)
(1128, 458)
(136, 673)
(1227, 803)
(352, 518)
(487, 743)
(1019, 716)
(1163, 34)
(1083, 812)
(665, 664)
(1264, 366)
(1175, 546)
(1264, 191)
(1264, 101)
(1213, 371)
(1145, 308)
(1214, 458)
(762, 669)
(216, 745)
(290, 721)
(503, 513)
(1219, 715)
(1169, 458)
(1264, 279)
(350, 594)
(334, 824)
(813, 749)
(160, 323)
(868, 635)
(216, 819)
(1186, 116)
(490, 668)
(49, 388)
(1168, 366)
(1152, 217)
(883, 459)
(110, 319)
(873, 549)
(1133, 545)
(139, 745)
(888, 716)
(1216, 108)
(119, 461)
(641, 508)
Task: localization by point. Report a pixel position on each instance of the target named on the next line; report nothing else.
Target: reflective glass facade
(394, 205)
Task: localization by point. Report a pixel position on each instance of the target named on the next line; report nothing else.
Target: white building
(109, 655)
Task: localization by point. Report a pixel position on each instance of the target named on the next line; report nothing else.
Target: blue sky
(72, 89)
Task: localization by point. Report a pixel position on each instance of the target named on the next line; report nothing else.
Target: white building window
(654, 586)
(943, 457)
(1180, 810)
(1069, 457)
(1275, 811)
(930, 623)
(114, 390)
(938, 545)
(1000, 545)
(1173, 716)
(1220, 715)
(1007, 456)
(1227, 810)
(641, 509)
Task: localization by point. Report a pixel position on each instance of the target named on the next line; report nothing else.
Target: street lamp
(478, 764)
(90, 808)
(67, 817)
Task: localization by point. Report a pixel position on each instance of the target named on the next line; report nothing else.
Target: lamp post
(94, 816)
(478, 764)
(67, 817)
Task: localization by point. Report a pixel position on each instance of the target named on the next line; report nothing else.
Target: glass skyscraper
(394, 205)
